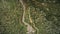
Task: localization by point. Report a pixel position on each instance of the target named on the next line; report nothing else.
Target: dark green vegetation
(45, 15)
(10, 17)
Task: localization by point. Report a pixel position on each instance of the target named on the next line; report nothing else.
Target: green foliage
(10, 18)
(47, 18)
(45, 15)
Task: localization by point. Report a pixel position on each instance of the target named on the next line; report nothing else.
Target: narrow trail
(31, 21)
(29, 27)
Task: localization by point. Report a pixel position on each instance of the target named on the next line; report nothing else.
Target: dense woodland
(45, 15)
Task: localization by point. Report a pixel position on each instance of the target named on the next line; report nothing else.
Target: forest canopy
(42, 15)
